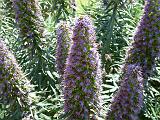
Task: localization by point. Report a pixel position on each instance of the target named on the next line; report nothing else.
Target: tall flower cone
(30, 25)
(128, 101)
(82, 76)
(13, 83)
(28, 17)
(31, 42)
(145, 47)
(139, 63)
(63, 46)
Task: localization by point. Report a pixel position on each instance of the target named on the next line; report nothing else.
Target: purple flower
(13, 84)
(146, 39)
(84, 60)
(29, 20)
(63, 45)
(128, 101)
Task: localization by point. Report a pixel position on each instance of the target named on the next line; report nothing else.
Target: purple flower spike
(127, 102)
(82, 76)
(63, 46)
(13, 83)
(145, 47)
(29, 19)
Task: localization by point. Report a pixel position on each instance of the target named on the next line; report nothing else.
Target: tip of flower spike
(63, 26)
(16, 83)
(1, 42)
(83, 21)
(83, 29)
(129, 95)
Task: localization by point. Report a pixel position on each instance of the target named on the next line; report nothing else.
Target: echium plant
(27, 15)
(145, 47)
(128, 101)
(31, 42)
(82, 76)
(141, 55)
(13, 84)
(63, 46)
(29, 18)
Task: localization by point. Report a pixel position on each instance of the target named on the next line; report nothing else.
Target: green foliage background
(115, 22)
